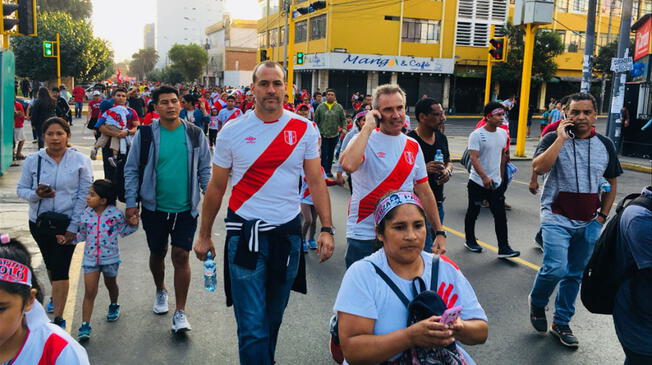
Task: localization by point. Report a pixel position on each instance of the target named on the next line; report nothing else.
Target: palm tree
(143, 62)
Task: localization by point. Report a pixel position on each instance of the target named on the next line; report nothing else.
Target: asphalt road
(141, 337)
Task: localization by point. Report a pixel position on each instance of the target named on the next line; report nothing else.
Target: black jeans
(632, 358)
(327, 151)
(496, 199)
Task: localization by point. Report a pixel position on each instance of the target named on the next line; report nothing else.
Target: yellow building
(430, 47)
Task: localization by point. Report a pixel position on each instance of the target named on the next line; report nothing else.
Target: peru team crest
(409, 157)
(290, 137)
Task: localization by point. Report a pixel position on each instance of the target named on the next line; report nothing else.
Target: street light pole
(58, 61)
(587, 66)
(290, 58)
(614, 124)
(530, 30)
(487, 85)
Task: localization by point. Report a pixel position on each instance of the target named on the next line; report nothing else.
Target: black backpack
(146, 138)
(600, 281)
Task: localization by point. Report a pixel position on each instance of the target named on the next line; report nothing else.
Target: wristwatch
(330, 230)
(604, 216)
(440, 233)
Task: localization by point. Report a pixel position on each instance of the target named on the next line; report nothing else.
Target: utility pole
(487, 85)
(286, 8)
(290, 50)
(614, 124)
(58, 61)
(526, 80)
(587, 66)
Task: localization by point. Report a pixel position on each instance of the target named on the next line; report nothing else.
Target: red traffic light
(497, 51)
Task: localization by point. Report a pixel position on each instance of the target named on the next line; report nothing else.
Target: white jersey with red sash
(266, 159)
(225, 115)
(47, 343)
(389, 163)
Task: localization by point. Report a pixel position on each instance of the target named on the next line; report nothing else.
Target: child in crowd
(309, 213)
(101, 224)
(26, 334)
(118, 117)
(214, 126)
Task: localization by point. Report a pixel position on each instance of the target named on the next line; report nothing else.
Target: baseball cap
(96, 93)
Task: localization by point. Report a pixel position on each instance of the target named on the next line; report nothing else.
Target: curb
(636, 167)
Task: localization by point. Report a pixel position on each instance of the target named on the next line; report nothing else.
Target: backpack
(600, 281)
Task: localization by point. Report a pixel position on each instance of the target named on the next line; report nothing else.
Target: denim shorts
(110, 270)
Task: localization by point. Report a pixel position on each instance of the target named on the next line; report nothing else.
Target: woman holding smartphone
(60, 185)
(373, 320)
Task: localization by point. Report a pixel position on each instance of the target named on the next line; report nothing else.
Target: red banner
(642, 45)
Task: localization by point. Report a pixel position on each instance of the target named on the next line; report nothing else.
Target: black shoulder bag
(49, 223)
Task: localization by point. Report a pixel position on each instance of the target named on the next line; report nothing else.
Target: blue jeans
(429, 237)
(566, 251)
(358, 249)
(259, 312)
(79, 105)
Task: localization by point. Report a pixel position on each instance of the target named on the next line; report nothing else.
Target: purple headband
(392, 201)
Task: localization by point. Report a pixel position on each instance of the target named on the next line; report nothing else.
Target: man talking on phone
(381, 159)
(574, 160)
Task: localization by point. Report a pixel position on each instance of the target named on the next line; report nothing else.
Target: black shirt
(137, 104)
(429, 151)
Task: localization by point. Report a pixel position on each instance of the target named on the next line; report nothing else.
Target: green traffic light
(299, 58)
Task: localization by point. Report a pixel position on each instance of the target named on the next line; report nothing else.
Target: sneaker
(538, 317)
(312, 244)
(84, 332)
(538, 239)
(113, 161)
(94, 154)
(508, 207)
(180, 322)
(59, 322)
(304, 246)
(161, 303)
(50, 307)
(564, 334)
(508, 252)
(473, 246)
(113, 313)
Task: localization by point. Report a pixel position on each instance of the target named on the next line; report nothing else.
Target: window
(475, 18)
(300, 31)
(273, 37)
(318, 27)
(562, 5)
(420, 30)
(262, 40)
(281, 35)
(579, 6)
(574, 42)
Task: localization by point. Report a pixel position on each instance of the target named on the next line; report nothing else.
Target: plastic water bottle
(439, 157)
(210, 277)
(605, 186)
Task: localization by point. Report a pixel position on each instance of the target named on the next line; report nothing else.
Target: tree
(78, 9)
(547, 46)
(189, 60)
(166, 75)
(143, 62)
(83, 56)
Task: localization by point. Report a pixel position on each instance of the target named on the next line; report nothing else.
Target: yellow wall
(360, 29)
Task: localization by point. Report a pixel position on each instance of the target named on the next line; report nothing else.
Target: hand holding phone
(45, 191)
(450, 315)
(372, 120)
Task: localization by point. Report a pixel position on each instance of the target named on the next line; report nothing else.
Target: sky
(126, 34)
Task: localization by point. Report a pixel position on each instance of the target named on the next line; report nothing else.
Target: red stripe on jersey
(394, 181)
(264, 167)
(420, 181)
(447, 259)
(52, 349)
(234, 115)
(306, 193)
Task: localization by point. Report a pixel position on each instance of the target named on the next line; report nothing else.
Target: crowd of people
(172, 153)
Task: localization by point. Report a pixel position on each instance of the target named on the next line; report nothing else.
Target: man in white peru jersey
(381, 159)
(265, 151)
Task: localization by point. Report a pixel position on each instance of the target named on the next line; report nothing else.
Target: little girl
(100, 225)
(213, 127)
(309, 213)
(26, 334)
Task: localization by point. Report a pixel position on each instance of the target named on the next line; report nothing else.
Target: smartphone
(450, 315)
(47, 187)
(570, 130)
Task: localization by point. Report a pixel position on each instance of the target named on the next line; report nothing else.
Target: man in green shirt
(331, 121)
(169, 184)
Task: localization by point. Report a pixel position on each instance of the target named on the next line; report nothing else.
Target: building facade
(149, 36)
(183, 22)
(435, 48)
(231, 52)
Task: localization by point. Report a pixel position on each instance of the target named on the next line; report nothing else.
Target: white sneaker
(161, 302)
(180, 322)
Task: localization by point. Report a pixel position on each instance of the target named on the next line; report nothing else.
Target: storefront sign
(366, 62)
(642, 45)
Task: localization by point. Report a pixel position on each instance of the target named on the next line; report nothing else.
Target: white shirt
(364, 293)
(48, 343)
(490, 147)
(389, 163)
(266, 159)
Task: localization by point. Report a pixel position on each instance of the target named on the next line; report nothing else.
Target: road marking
(75, 270)
(494, 249)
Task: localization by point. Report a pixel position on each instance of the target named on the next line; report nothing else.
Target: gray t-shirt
(579, 168)
(490, 147)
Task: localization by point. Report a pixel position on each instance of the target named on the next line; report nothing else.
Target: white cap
(96, 93)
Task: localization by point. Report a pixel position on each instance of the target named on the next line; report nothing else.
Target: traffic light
(48, 49)
(318, 4)
(9, 20)
(498, 49)
(300, 58)
(23, 14)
